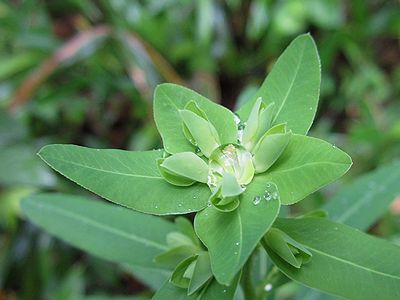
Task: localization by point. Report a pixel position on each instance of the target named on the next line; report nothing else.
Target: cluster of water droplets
(270, 193)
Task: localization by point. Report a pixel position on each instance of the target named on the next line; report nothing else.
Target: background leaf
(345, 261)
(170, 98)
(231, 236)
(293, 84)
(108, 231)
(363, 202)
(124, 177)
(305, 166)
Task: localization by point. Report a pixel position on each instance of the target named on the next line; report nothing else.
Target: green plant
(234, 171)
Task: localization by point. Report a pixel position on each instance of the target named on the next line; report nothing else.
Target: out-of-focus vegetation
(83, 72)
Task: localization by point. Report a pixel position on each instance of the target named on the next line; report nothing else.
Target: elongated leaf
(363, 202)
(108, 231)
(129, 178)
(293, 85)
(306, 165)
(231, 236)
(153, 278)
(169, 99)
(345, 262)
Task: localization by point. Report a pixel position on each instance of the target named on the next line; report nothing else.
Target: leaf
(154, 278)
(364, 201)
(286, 248)
(170, 98)
(268, 150)
(306, 165)
(201, 273)
(232, 236)
(201, 130)
(345, 262)
(129, 178)
(110, 232)
(183, 166)
(293, 84)
(214, 291)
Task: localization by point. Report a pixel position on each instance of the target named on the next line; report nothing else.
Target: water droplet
(275, 196)
(194, 197)
(209, 204)
(268, 287)
(189, 209)
(256, 200)
(310, 108)
(236, 118)
(224, 291)
(268, 185)
(267, 196)
(197, 150)
(156, 206)
(235, 253)
(237, 243)
(333, 146)
(180, 204)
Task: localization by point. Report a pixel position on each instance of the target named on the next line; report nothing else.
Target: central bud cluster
(230, 159)
(228, 168)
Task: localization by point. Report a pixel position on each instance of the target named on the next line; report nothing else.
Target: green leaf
(201, 273)
(293, 85)
(345, 262)
(286, 248)
(214, 291)
(184, 165)
(364, 201)
(226, 195)
(268, 150)
(174, 256)
(124, 177)
(306, 165)
(154, 278)
(201, 130)
(257, 124)
(232, 236)
(183, 272)
(170, 98)
(104, 230)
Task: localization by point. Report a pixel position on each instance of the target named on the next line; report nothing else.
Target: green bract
(234, 170)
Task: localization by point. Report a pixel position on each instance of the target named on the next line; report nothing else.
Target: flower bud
(257, 124)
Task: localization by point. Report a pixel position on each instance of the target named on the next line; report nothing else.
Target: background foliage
(84, 72)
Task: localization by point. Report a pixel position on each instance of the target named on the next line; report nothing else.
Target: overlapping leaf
(345, 262)
(108, 231)
(129, 178)
(169, 99)
(231, 236)
(306, 165)
(293, 85)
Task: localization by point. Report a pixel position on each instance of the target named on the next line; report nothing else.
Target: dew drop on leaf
(236, 118)
(256, 200)
(267, 196)
(268, 287)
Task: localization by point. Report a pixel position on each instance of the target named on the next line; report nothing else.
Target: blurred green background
(83, 72)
